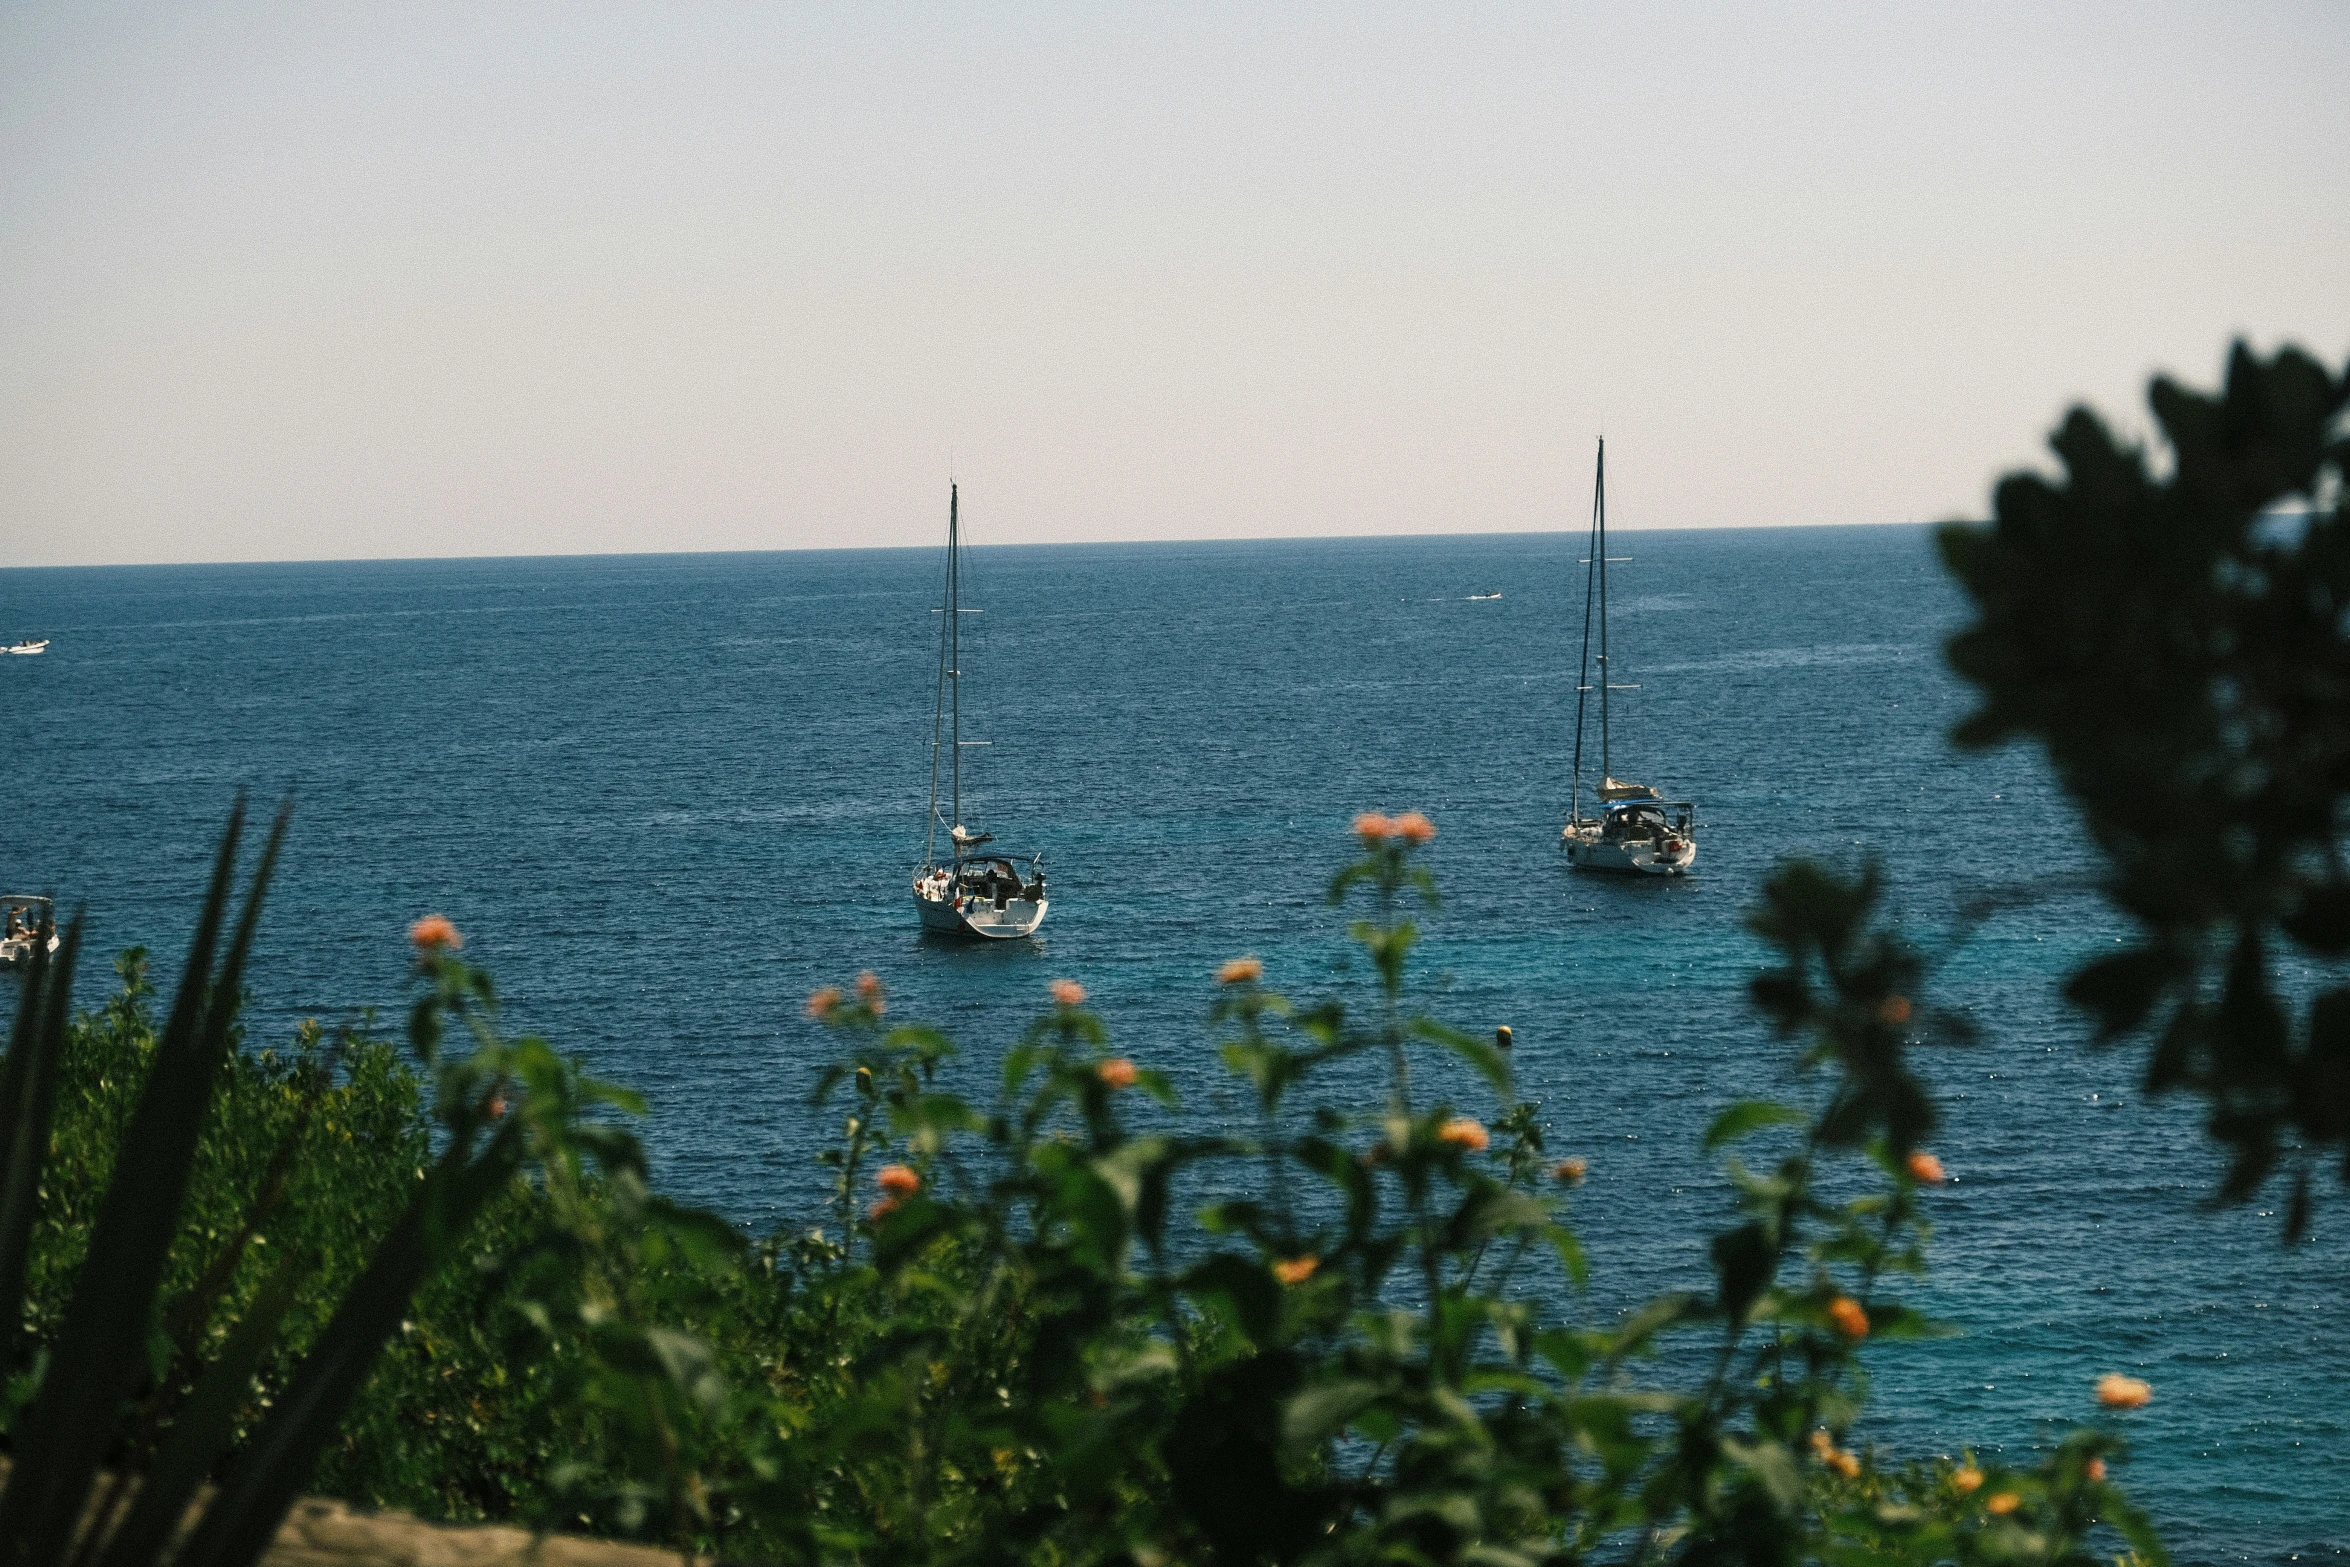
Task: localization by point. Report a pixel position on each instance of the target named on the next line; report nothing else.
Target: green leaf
(2121, 989)
(1490, 1061)
(1773, 1465)
(1322, 1411)
(205, 1426)
(28, 1103)
(1744, 1258)
(1749, 1115)
(101, 1349)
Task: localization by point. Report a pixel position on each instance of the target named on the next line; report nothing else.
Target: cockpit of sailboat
(1646, 821)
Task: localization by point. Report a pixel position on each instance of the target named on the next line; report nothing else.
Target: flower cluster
(434, 933)
(2116, 1391)
(1461, 1132)
(1375, 827)
(1831, 1456)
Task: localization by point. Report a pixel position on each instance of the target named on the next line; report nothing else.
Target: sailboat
(1634, 828)
(966, 892)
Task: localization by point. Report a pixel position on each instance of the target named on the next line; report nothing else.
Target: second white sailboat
(1634, 829)
(966, 892)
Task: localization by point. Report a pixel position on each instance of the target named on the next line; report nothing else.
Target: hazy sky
(324, 281)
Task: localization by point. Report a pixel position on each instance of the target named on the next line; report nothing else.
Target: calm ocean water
(666, 796)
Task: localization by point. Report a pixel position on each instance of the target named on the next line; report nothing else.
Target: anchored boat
(1634, 828)
(29, 646)
(967, 892)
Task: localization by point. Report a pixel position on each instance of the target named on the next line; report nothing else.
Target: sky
(322, 282)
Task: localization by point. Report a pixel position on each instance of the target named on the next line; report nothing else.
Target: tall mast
(938, 711)
(955, 646)
(1599, 560)
(1583, 672)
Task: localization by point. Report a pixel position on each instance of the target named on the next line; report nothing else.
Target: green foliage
(2180, 646)
(1358, 1350)
(1060, 1325)
(204, 1252)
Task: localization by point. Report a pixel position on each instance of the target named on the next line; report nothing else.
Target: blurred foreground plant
(2179, 644)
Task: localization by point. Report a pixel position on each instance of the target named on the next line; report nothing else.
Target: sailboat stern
(983, 898)
(1635, 837)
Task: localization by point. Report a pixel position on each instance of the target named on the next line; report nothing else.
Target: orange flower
(1893, 1011)
(881, 1210)
(1372, 827)
(823, 1001)
(1924, 1167)
(1834, 1457)
(1068, 992)
(869, 991)
(2004, 1503)
(1296, 1270)
(1569, 1171)
(1118, 1072)
(434, 933)
(1966, 1479)
(897, 1180)
(1462, 1132)
(1412, 827)
(2115, 1391)
(1850, 1319)
(1240, 971)
(2095, 1470)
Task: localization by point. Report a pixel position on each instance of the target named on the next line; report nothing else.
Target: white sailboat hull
(981, 918)
(1587, 851)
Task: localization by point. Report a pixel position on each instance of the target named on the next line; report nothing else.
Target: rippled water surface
(665, 796)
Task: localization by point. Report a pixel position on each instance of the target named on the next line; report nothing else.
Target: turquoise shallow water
(665, 796)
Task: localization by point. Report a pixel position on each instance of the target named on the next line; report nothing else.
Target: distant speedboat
(27, 922)
(1481, 598)
(1636, 829)
(41, 646)
(967, 893)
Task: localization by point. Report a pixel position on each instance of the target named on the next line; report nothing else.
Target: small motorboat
(41, 646)
(27, 922)
(1483, 598)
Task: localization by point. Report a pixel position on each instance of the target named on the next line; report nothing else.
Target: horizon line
(872, 549)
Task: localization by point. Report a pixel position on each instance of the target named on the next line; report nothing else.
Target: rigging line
(1599, 553)
(954, 620)
(1575, 787)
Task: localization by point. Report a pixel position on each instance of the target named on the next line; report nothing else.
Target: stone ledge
(319, 1532)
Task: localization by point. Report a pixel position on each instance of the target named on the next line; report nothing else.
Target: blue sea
(666, 796)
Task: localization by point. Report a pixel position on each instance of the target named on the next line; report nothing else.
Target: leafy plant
(2179, 645)
(1353, 1354)
(122, 1381)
